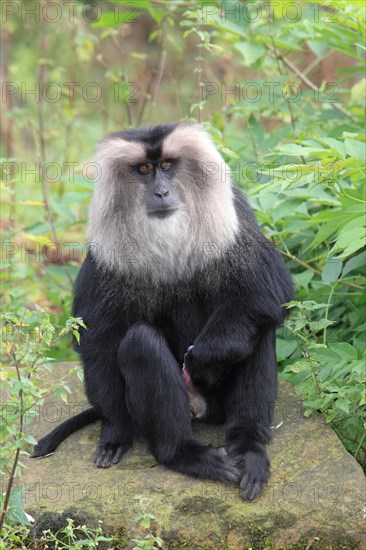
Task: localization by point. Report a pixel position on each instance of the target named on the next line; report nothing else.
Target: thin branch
(155, 71)
(311, 363)
(9, 488)
(309, 83)
(345, 436)
(9, 119)
(308, 266)
(360, 444)
(312, 540)
(327, 311)
(288, 102)
(44, 187)
(315, 62)
(161, 68)
(41, 117)
(16, 457)
(199, 78)
(125, 76)
(147, 96)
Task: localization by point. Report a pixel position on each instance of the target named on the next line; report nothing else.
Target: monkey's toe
(109, 454)
(256, 474)
(250, 489)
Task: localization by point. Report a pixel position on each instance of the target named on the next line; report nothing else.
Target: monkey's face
(160, 192)
(163, 192)
(150, 174)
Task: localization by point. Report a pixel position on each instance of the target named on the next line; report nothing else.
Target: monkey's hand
(201, 371)
(227, 339)
(197, 404)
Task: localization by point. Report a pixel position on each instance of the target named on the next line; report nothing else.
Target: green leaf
(343, 405)
(325, 354)
(117, 18)
(344, 350)
(331, 270)
(324, 233)
(300, 377)
(63, 210)
(286, 208)
(303, 279)
(335, 144)
(250, 52)
(355, 148)
(354, 263)
(317, 47)
(353, 247)
(292, 149)
(353, 232)
(285, 348)
(15, 513)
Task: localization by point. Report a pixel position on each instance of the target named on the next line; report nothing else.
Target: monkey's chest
(181, 322)
(180, 312)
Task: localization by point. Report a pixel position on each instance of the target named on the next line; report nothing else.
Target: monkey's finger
(222, 451)
(118, 454)
(186, 377)
(186, 353)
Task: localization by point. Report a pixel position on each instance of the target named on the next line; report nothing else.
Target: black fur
(50, 443)
(138, 333)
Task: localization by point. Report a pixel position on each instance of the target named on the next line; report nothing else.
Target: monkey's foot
(197, 460)
(109, 453)
(256, 474)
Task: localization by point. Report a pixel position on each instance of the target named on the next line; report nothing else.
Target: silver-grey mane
(124, 238)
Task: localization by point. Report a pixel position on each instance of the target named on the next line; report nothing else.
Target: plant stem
(309, 83)
(289, 106)
(308, 266)
(326, 313)
(360, 444)
(16, 457)
(199, 72)
(44, 187)
(9, 488)
(119, 49)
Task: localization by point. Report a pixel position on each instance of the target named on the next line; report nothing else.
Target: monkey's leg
(157, 400)
(249, 407)
(105, 389)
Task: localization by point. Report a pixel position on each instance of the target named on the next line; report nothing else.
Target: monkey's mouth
(161, 213)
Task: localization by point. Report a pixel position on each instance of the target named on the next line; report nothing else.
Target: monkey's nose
(161, 194)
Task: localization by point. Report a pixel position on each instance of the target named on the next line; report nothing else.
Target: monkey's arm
(250, 302)
(228, 337)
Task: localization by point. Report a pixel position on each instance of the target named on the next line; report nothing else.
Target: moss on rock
(314, 496)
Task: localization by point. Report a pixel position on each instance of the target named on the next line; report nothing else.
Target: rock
(314, 498)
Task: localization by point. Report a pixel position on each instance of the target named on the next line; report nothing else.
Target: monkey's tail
(51, 441)
(205, 462)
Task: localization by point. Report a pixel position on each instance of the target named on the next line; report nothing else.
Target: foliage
(70, 537)
(150, 541)
(282, 91)
(322, 346)
(27, 336)
(73, 536)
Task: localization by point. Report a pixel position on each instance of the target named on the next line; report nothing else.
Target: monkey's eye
(166, 165)
(145, 169)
